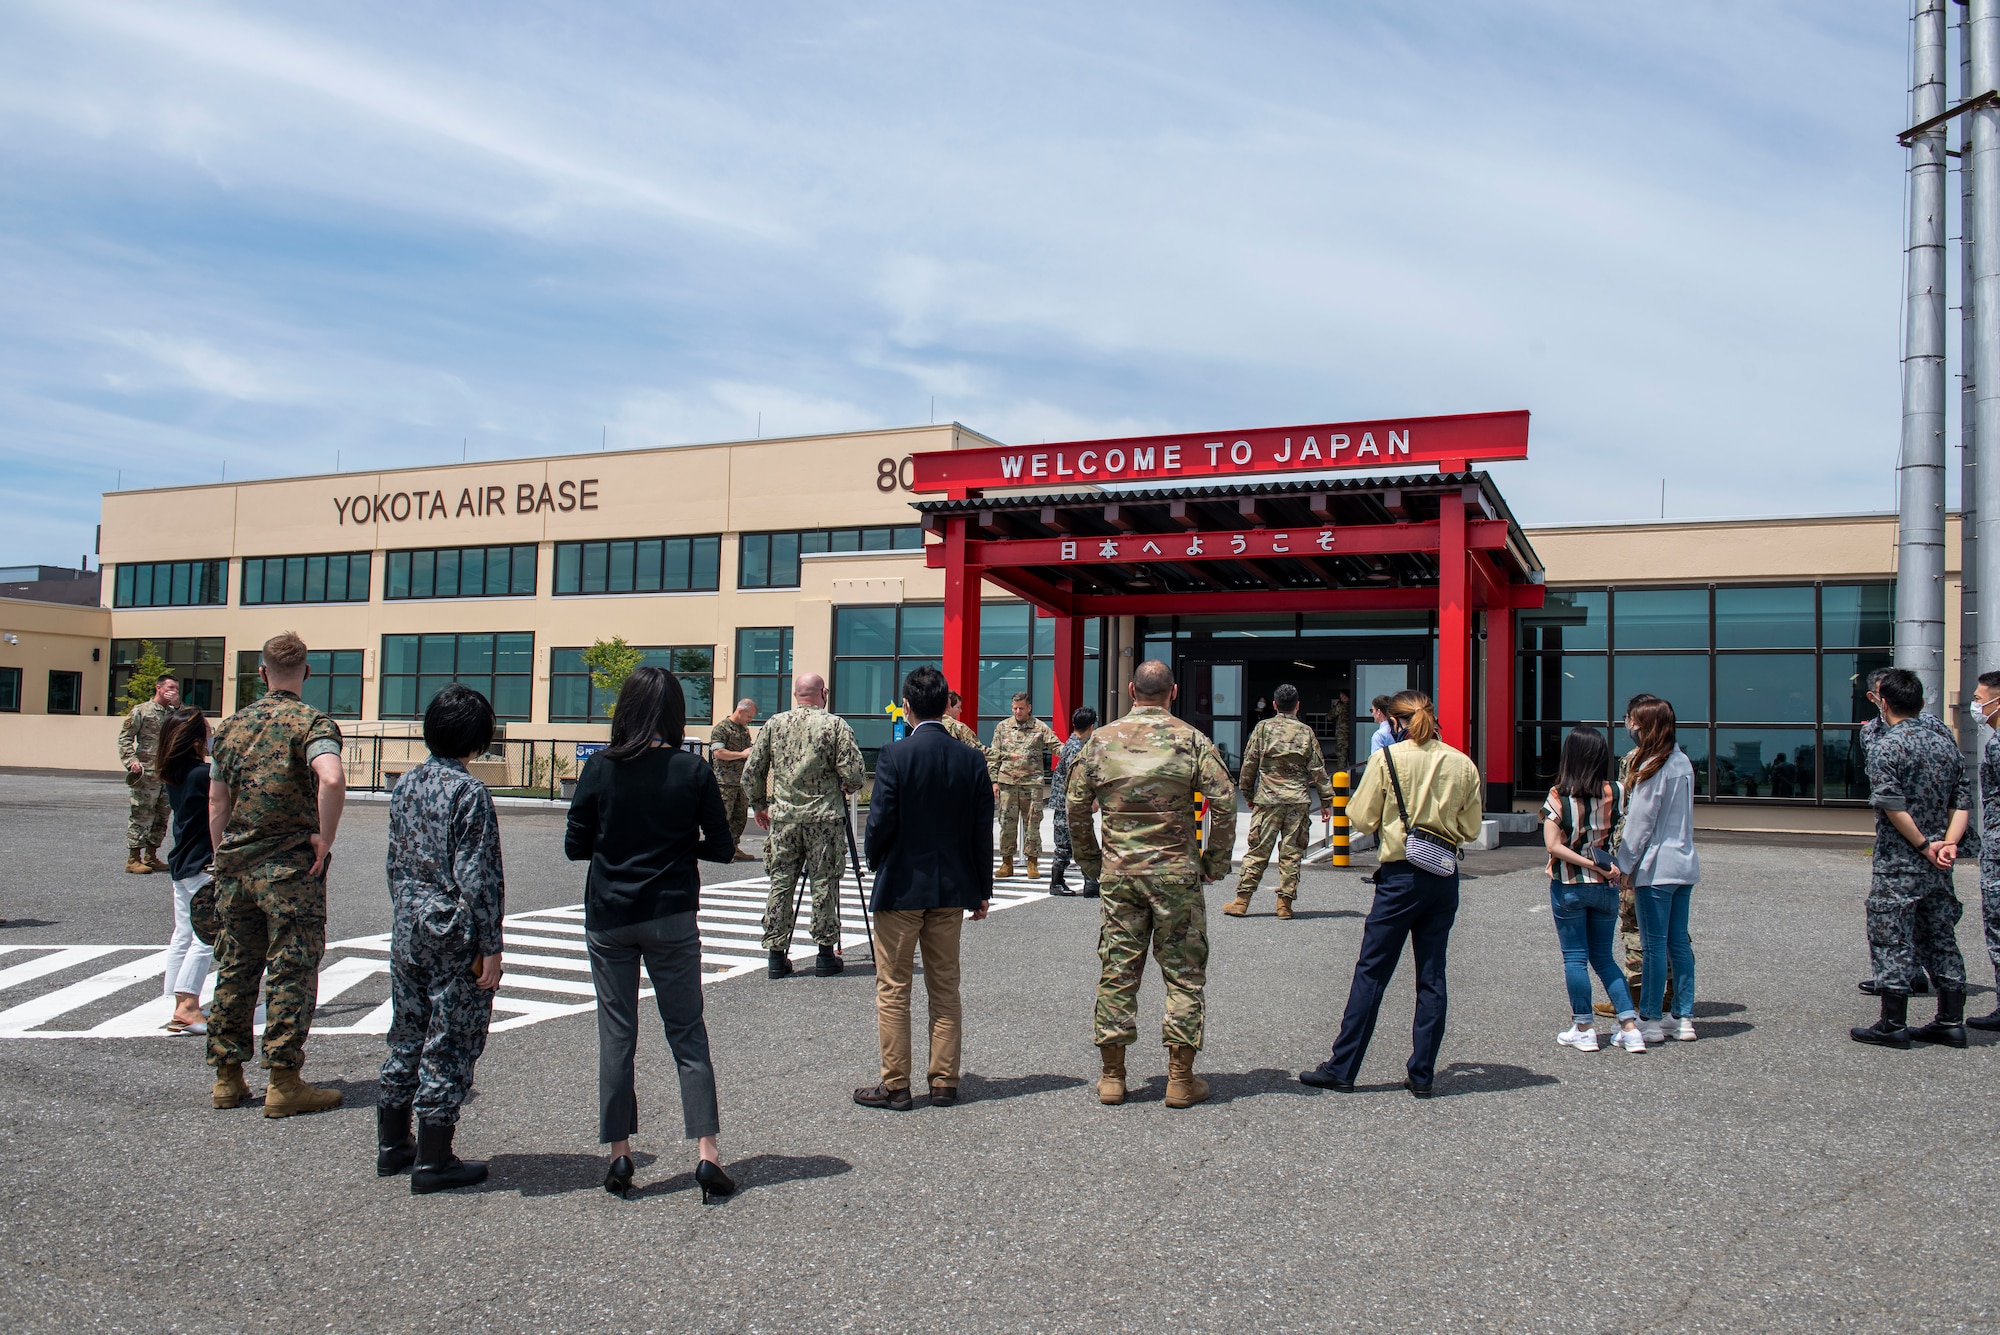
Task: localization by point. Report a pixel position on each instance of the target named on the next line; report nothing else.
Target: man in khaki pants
(930, 841)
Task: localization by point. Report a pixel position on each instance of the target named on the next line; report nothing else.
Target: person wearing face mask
(1871, 732)
(1986, 704)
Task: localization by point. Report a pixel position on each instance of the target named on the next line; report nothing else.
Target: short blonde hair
(1414, 710)
(285, 653)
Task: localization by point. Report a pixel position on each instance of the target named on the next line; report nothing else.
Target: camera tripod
(860, 889)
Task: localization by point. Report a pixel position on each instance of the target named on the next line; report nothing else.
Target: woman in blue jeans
(1657, 858)
(1579, 824)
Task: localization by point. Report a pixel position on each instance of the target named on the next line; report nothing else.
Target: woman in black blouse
(643, 812)
(184, 766)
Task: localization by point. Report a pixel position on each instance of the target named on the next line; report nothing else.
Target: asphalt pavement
(1772, 1175)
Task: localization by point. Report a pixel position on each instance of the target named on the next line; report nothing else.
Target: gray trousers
(671, 949)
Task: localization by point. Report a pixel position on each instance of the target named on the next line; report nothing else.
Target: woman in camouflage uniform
(1082, 723)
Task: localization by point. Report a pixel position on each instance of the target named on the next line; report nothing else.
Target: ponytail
(1414, 710)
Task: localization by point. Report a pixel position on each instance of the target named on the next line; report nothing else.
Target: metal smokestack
(1969, 736)
(1982, 230)
(1920, 474)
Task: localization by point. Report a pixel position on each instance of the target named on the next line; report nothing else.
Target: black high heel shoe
(618, 1178)
(715, 1184)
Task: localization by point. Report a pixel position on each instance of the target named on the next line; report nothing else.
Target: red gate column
(1068, 672)
(961, 621)
(1500, 708)
(1454, 683)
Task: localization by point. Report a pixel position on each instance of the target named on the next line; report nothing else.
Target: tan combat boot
(1240, 905)
(288, 1094)
(1184, 1087)
(135, 863)
(1284, 906)
(230, 1091)
(1111, 1085)
(1034, 870)
(1006, 868)
(153, 860)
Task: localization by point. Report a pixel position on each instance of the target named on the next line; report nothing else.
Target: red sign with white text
(1449, 443)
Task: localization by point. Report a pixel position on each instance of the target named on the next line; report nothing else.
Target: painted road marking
(547, 958)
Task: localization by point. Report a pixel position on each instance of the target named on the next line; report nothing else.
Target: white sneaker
(1578, 1037)
(1683, 1029)
(1629, 1039)
(1650, 1030)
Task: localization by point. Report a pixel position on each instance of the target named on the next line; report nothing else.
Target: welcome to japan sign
(1448, 443)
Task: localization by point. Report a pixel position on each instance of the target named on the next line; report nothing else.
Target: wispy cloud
(277, 235)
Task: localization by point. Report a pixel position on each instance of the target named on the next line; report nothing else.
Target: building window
(771, 560)
(340, 578)
(1768, 682)
(196, 664)
(10, 690)
(416, 667)
(461, 572)
(575, 698)
(171, 584)
(333, 687)
(65, 692)
(874, 648)
(764, 668)
(639, 565)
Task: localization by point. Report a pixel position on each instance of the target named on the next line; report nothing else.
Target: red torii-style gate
(1292, 567)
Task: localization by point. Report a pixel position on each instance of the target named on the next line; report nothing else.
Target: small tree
(146, 674)
(611, 662)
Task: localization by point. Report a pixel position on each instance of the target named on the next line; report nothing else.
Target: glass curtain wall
(196, 663)
(1768, 682)
(764, 668)
(575, 698)
(333, 687)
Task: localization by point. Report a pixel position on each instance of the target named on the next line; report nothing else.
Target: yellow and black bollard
(1338, 831)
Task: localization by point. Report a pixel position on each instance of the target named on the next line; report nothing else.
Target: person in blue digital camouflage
(447, 897)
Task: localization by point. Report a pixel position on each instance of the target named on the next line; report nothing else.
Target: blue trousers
(1586, 916)
(1663, 930)
(1413, 906)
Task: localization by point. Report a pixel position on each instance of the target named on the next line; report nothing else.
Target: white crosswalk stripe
(547, 973)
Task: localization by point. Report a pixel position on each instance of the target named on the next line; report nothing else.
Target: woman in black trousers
(643, 812)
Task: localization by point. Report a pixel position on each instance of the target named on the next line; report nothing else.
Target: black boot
(1988, 1022)
(1090, 890)
(780, 965)
(827, 963)
(1056, 883)
(1893, 1029)
(394, 1150)
(438, 1169)
(1949, 1026)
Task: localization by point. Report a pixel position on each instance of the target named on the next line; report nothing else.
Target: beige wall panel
(657, 493)
(1836, 548)
(184, 524)
(54, 637)
(58, 741)
(829, 482)
(812, 636)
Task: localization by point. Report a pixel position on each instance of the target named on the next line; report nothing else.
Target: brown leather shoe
(230, 1090)
(288, 1094)
(1184, 1087)
(1111, 1085)
(881, 1096)
(1284, 906)
(944, 1096)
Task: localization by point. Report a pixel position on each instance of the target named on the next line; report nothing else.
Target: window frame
(214, 671)
(262, 566)
(383, 676)
(15, 676)
(414, 557)
(852, 540)
(742, 690)
(75, 683)
(195, 576)
(592, 712)
(580, 551)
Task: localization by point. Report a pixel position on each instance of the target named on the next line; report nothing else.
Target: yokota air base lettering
(396, 507)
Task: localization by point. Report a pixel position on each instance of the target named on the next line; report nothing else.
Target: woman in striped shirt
(1580, 823)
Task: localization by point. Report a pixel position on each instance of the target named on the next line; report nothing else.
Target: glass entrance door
(1372, 679)
(1215, 705)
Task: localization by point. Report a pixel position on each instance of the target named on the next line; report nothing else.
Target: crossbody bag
(1426, 850)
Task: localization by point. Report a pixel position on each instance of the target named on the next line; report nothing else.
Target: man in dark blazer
(930, 842)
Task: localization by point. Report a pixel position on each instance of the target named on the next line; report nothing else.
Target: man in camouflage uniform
(139, 751)
(728, 748)
(1142, 772)
(275, 792)
(956, 728)
(1082, 723)
(1921, 797)
(1017, 760)
(1282, 769)
(802, 768)
(1986, 705)
(1343, 731)
(1920, 984)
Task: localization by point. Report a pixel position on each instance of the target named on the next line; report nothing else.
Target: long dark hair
(650, 705)
(1585, 766)
(183, 739)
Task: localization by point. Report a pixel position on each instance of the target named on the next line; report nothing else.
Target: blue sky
(266, 238)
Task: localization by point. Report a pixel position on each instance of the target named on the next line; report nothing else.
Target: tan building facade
(736, 564)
